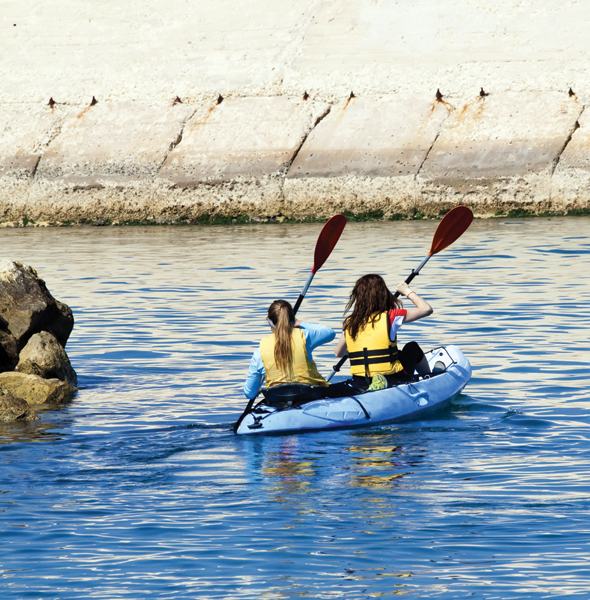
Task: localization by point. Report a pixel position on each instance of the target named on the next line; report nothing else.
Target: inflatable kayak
(404, 401)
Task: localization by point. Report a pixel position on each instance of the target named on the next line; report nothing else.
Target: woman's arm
(315, 335)
(255, 373)
(423, 309)
(341, 348)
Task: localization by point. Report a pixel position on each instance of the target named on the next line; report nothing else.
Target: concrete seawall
(264, 125)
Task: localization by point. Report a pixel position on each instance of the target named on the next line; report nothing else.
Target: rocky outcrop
(34, 329)
(28, 307)
(44, 356)
(34, 389)
(15, 409)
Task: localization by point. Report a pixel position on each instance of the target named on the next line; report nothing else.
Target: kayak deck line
(361, 405)
(404, 401)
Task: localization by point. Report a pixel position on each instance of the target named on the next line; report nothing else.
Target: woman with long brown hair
(370, 334)
(284, 356)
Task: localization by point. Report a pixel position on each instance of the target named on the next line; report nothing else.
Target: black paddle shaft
(298, 303)
(337, 366)
(414, 272)
(303, 292)
(408, 280)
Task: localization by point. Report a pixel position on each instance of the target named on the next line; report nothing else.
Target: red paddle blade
(328, 239)
(451, 228)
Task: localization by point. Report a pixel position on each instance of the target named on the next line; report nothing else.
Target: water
(139, 489)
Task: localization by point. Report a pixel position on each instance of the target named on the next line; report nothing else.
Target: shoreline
(279, 220)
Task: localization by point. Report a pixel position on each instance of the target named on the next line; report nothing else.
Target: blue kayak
(405, 401)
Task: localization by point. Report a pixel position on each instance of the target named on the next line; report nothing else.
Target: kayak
(411, 400)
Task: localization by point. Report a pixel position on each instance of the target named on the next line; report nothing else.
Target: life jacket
(304, 370)
(372, 351)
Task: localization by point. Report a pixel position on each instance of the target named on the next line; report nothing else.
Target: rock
(62, 328)
(15, 409)
(28, 307)
(34, 389)
(8, 348)
(44, 356)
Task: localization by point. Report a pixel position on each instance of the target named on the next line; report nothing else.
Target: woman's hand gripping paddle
(327, 240)
(453, 225)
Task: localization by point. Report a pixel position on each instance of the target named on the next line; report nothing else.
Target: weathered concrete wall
(571, 180)
(364, 157)
(233, 159)
(264, 151)
(152, 50)
(273, 157)
(25, 133)
(102, 164)
(499, 152)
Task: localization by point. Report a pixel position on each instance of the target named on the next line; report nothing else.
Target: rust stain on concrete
(204, 120)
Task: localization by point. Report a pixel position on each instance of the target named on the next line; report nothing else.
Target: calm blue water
(138, 488)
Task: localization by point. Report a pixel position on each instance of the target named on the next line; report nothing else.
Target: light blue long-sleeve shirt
(315, 335)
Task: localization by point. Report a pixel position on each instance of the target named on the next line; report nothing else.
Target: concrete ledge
(570, 184)
(364, 157)
(25, 132)
(498, 153)
(132, 156)
(153, 51)
(283, 157)
(103, 157)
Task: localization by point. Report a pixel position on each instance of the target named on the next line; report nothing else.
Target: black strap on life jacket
(373, 357)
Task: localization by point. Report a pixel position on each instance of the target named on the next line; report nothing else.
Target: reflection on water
(53, 424)
(284, 467)
(372, 466)
(139, 488)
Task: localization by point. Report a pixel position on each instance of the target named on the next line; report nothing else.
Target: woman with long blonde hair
(284, 356)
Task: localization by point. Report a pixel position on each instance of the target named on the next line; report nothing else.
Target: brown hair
(281, 315)
(370, 297)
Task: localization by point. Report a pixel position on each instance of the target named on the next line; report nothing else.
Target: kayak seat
(286, 395)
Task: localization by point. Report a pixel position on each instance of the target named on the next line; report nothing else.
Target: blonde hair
(281, 315)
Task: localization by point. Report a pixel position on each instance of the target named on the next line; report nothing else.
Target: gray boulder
(44, 356)
(15, 409)
(28, 307)
(34, 389)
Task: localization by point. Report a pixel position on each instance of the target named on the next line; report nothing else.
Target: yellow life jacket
(372, 351)
(304, 370)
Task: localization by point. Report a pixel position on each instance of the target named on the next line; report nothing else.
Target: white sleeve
(397, 323)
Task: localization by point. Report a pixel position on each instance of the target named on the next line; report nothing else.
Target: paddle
(327, 240)
(451, 228)
(453, 225)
